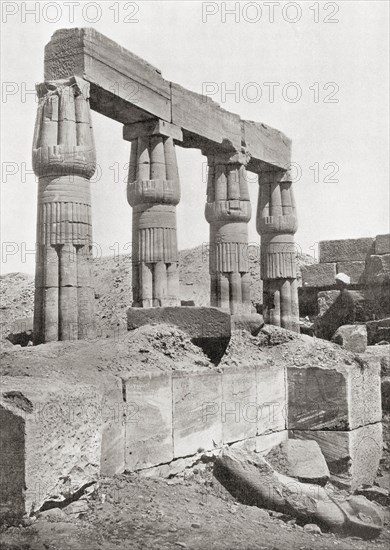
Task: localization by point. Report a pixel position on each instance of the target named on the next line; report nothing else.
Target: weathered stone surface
(354, 270)
(197, 405)
(382, 244)
(319, 275)
(252, 480)
(305, 461)
(197, 322)
(347, 250)
(385, 391)
(21, 331)
(149, 439)
(252, 322)
(271, 398)
(351, 337)
(265, 442)
(239, 410)
(113, 424)
(325, 299)
(337, 309)
(50, 441)
(341, 398)
(377, 267)
(352, 456)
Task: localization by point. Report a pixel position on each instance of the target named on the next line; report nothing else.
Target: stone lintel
(155, 127)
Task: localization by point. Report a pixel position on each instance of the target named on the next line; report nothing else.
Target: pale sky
(339, 125)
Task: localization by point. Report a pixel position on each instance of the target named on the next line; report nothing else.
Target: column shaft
(64, 160)
(276, 224)
(154, 191)
(228, 211)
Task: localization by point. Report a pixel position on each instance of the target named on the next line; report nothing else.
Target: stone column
(276, 224)
(154, 191)
(64, 160)
(228, 210)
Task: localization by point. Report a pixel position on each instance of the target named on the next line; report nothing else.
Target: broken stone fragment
(351, 337)
(302, 460)
(252, 480)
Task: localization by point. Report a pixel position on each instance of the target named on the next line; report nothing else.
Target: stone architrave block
(318, 275)
(50, 441)
(346, 250)
(382, 244)
(266, 442)
(342, 398)
(148, 404)
(354, 270)
(352, 457)
(239, 406)
(271, 398)
(351, 337)
(197, 412)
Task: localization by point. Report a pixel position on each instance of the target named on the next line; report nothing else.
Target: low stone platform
(198, 322)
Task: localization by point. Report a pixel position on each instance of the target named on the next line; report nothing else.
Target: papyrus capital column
(228, 211)
(277, 223)
(153, 191)
(64, 160)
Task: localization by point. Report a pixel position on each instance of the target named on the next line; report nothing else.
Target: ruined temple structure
(85, 70)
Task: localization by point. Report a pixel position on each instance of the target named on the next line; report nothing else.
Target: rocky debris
(301, 459)
(351, 337)
(378, 331)
(22, 332)
(252, 480)
(312, 528)
(53, 514)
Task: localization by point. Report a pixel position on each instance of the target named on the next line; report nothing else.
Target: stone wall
(58, 437)
(367, 262)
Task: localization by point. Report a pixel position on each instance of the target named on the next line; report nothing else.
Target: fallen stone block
(345, 250)
(382, 244)
(378, 267)
(354, 270)
(351, 337)
(266, 442)
(149, 439)
(341, 398)
(197, 405)
(375, 494)
(325, 299)
(253, 481)
(197, 322)
(337, 309)
(319, 275)
(300, 459)
(352, 456)
(50, 441)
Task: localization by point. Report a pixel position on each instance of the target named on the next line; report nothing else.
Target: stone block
(50, 442)
(342, 398)
(303, 460)
(271, 398)
(351, 337)
(385, 390)
(197, 405)
(382, 244)
(354, 270)
(377, 266)
(319, 275)
(149, 439)
(197, 322)
(239, 409)
(346, 250)
(352, 456)
(265, 443)
(251, 322)
(113, 410)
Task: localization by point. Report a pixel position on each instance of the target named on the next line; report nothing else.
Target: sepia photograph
(195, 275)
